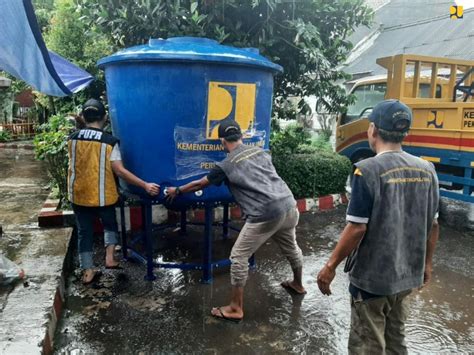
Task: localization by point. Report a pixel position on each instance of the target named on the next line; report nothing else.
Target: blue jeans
(85, 217)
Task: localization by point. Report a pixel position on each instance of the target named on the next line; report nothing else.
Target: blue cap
(392, 116)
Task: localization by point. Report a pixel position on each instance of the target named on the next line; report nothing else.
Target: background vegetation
(309, 167)
(309, 38)
(51, 146)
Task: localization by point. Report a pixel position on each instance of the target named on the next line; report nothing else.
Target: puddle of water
(22, 193)
(171, 314)
(22, 182)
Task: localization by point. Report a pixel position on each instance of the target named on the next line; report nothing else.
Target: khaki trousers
(253, 235)
(378, 325)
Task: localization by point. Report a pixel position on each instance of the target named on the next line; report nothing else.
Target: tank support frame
(145, 237)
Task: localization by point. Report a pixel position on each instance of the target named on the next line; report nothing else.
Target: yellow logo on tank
(230, 100)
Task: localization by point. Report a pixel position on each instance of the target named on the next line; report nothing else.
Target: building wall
(25, 99)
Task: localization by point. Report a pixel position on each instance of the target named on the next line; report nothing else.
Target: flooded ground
(25, 305)
(123, 314)
(23, 189)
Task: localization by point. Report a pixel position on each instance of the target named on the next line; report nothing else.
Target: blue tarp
(24, 55)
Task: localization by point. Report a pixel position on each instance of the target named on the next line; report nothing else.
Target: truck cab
(440, 93)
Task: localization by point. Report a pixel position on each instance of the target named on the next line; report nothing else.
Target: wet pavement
(23, 189)
(123, 314)
(25, 306)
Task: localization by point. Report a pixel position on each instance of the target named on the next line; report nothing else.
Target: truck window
(366, 96)
(425, 91)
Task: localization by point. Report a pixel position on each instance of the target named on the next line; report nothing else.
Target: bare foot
(88, 276)
(227, 313)
(294, 287)
(110, 261)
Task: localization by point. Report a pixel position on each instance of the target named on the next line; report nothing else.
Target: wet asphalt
(25, 304)
(123, 314)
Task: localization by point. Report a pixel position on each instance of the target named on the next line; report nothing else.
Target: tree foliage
(51, 146)
(309, 38)
(43, 11)
(81, 43)
(288, 141)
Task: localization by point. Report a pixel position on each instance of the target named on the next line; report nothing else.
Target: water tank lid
(190, 49)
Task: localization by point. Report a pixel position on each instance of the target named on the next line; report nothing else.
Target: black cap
(93, 108)
(392, 116)
(229, 128)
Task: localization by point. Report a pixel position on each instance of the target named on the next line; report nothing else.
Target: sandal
(221, 316)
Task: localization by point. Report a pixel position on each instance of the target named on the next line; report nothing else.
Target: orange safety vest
(91, 181)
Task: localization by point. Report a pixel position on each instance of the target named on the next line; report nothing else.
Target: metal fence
(19, 130)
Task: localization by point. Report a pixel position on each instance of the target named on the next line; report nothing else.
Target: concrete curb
(9, 145)
(59, 300)
(323, 203)
(50, 217)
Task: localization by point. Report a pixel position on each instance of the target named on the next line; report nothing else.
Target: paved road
(122, 313)
(24, 307)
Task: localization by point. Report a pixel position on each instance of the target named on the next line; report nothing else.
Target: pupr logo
(456, 12)
(435, 119)
(230, 100)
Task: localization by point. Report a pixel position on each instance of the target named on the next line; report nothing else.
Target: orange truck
(440, 93)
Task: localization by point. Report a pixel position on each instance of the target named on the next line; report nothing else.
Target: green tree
(43, 12)
(309, 38)
(80, 43)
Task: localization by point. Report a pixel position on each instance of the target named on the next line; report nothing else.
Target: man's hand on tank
(170, 193)
(325, 277)
(152, 189)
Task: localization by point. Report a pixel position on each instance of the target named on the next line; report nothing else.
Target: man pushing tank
(268, 207)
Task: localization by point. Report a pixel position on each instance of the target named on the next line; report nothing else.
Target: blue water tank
(166, 100)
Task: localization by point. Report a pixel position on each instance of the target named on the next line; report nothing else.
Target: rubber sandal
(223, 317)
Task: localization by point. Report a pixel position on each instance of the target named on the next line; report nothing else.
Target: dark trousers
(85, 218)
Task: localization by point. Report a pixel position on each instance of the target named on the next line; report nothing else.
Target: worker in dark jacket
(267, 204)
(390, 236)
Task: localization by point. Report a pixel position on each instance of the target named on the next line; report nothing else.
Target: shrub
(5, 136)
(307, 149)
(51, 146)
(316, 174)
(287, 141)
(321, 142)
(309, 167)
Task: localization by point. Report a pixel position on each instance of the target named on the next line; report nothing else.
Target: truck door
(351, 137)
